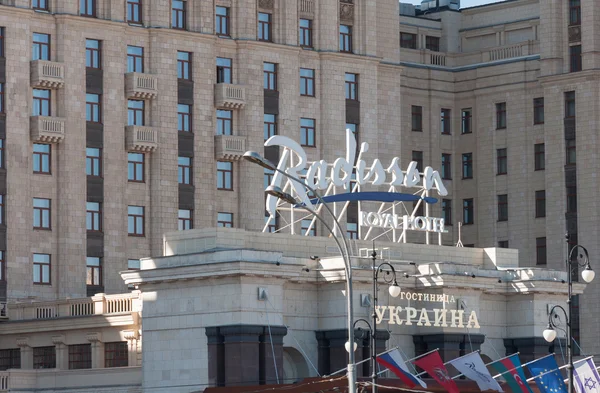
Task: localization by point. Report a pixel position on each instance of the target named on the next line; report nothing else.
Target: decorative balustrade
(140, 138)
(437, 59)
(306, 8)
(4, 386)
(99, 304)
(228, 96)
(47, 74)
(141, 86)
(47, 129)
(229, 147)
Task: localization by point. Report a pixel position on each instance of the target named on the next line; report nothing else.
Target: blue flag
(552, 380)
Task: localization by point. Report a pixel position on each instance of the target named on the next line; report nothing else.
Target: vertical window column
(185, 127)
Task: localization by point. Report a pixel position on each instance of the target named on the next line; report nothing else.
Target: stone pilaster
(97, 349)
(62, 352)
(241, 349)
(26, 353)
(451, 345)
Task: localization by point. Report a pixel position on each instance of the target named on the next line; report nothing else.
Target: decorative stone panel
(265, 4)
(575, 33)
(346, 11)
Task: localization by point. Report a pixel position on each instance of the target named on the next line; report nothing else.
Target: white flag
(586, 377)
(472, 367)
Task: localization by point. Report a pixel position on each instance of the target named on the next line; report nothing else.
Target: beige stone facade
(510, 53)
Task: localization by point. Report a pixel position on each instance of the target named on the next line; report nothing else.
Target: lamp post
(394, 291)
(256, 158)
(588, 275)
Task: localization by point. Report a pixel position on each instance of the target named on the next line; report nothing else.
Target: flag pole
(522, 365)
(411, 359)
(487, 364)
(425, 372)
(361, 362)
(560, 368)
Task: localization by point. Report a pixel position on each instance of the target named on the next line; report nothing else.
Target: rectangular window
(133, 264)
(269, 125)
(135, 59)
(408, 40)
(270, 76)
(92, 53)
(575, 58)
(94, 271)
(445, 121)
(93, 161)
(39, 5)
(184, 219)
(540, 156)
(2, 220)
(540, 251)
(501, 115)
(1, 97)
(501, 162)
(1, 41)
(2, 164)
(574, 12)
(184, 65)
(41, 213)
(93, 104)
(41, 103)
(135, 167)
(134, 11)
(467, 166)
(184, 118)
(44, 357)
(572, 199)
(446, 166)
(225, 175)
(503, 244)
(225, 220)
(540, 203)
(41, 269)
(354, 128)
(222, 21)
(135, 113)
(40, 49)
(41, 158)
(538, 110)
(307, 132)
(503, 207)
(351, 85)
(305, 225)
(116, 354)
(184, 170)
(570, 104)
(93, 220)
(417, 118)
(447, 211)
(10, 358)
(264, 27)
(307, 82)
(468, 218)
(305, 33)
(346, 38)
(178, 14)
(224, 122)
(80, 356)
(465, 124)
(352, 230)
(273, 223)
(224, 70)
(87, 8)
(417, 156)
(571, 153)
(432, 43)
(135, 220)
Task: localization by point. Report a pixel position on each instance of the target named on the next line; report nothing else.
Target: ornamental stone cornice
(67, 323)
(568, 78)
(131, 335)
(94, 337)
(57, 340)
(22, 342)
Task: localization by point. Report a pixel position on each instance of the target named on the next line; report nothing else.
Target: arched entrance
(295, 366)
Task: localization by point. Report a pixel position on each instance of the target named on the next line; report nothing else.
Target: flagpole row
(522, 365)
(411, 359)
(492, 362)
(361, 362)
(425, 372)
(560, 368)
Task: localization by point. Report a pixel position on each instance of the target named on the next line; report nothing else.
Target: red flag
(434, 366)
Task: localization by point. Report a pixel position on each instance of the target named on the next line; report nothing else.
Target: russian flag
(393, 362)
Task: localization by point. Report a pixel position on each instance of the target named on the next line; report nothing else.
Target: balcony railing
(228, 96)
(99, 304)
(47, 129)
(306, 8)
(47, 74)
(4, 386)
(140, 138)
(229, 147)
(141, 86)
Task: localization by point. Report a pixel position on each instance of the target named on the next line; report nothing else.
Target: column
(275, 335)
(216, 357)
(132, 337)
(97, 349)
(26, 353)
(62, 352)
(241, 350)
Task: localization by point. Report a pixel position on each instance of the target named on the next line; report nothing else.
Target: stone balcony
(47, 129)
(229, 147)
(140, 138)
(228, 96)
(141, 86)
(47, 74)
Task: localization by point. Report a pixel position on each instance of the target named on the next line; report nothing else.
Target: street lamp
(587, 275)
(256, 158)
